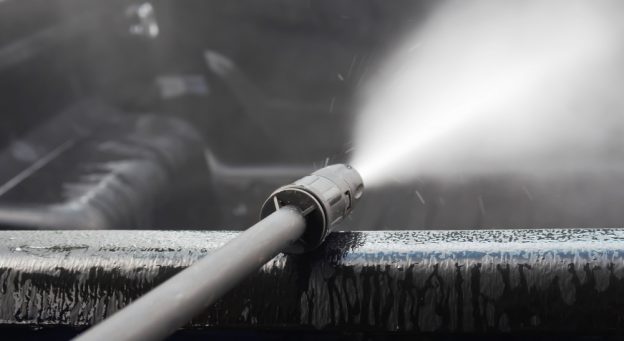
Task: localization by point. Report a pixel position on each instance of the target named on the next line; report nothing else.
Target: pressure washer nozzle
(324, 197)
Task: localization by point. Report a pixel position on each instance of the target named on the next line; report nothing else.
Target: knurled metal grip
(324, 197)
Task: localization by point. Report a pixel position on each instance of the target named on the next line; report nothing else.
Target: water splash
(493, 87)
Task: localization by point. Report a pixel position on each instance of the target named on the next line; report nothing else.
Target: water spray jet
(495, 87)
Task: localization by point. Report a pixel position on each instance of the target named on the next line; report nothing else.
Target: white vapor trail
(498, 86)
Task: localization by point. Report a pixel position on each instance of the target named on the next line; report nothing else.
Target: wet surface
(419, 281)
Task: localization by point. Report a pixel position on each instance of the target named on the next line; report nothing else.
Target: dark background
(288, 100)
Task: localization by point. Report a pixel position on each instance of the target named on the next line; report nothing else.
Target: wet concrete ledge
(482, 282)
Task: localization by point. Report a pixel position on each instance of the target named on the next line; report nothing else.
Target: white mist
(498, 86)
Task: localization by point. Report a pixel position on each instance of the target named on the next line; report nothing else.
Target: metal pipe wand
(295, 218)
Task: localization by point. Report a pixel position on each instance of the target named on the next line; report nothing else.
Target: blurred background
(187, 115)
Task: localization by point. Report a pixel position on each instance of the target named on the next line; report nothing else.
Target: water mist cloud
(498, 86)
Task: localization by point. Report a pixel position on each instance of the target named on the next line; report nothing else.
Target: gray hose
(169, 306)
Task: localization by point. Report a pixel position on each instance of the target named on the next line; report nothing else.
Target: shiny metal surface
(491, 281)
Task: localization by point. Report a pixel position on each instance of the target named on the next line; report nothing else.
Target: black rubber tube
(169, 306)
